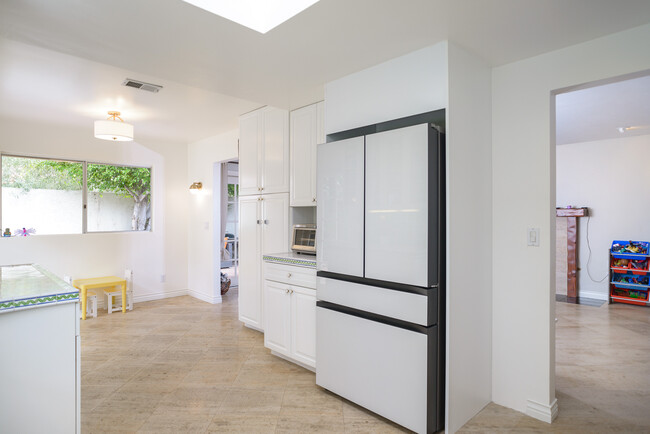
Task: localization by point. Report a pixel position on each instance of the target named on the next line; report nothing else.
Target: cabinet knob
(266, 222)
(286, 291)
(259, 188)
(313, 200)
(288, 274)
(258, 222)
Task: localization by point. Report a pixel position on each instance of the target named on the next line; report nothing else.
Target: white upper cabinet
(264, 152)
(306, 131)
(340, 227)
(397, 209)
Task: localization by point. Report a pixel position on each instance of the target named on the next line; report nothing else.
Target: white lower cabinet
(290, 312)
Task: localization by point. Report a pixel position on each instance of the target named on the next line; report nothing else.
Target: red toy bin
(619, 265)
(637, 266)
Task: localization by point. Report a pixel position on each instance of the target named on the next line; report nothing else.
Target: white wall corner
(545, 413)
(203, 297)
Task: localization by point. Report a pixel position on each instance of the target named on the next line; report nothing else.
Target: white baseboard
(545, 413)
(101, 300)
(594, 295)
(158, 295)
(203, 297)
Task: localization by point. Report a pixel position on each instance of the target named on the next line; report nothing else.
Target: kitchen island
(40, 356)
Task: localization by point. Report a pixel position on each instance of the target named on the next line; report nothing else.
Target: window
(48, 196)
(119, 198)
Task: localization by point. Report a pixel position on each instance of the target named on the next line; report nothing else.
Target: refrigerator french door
(380, 262)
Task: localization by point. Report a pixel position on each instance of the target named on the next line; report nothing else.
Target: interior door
(250, 291)
(340, 192)
(397, 206)
(250, 136)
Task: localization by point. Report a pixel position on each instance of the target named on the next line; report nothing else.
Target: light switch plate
(533, 237)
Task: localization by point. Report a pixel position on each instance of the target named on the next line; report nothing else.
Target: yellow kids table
(83, 285)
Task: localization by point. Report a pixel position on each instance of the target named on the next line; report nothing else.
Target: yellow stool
(98, 282)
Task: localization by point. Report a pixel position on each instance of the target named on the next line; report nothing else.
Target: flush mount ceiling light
(114, 128)
(259, 15)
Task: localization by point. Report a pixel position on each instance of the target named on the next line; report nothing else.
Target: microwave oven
(303, 239)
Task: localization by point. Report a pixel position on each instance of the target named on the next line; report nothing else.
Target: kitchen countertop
(291, 258)
(29, 286)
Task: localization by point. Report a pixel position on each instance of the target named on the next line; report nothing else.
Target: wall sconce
(196, 187)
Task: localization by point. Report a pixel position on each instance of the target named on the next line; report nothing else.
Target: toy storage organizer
(629, 272)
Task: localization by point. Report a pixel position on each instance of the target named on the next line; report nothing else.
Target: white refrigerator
(380, 267)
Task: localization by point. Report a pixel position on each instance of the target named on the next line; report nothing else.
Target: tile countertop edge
(50, 296)
(290, 258)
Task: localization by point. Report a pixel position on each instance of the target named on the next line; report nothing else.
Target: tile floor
(181, 365)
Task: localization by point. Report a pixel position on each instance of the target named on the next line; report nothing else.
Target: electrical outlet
(533, 237)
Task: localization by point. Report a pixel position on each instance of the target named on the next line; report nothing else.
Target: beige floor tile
(191, 366)
(176, 421)
(243, 424)
(310, 423)
(311, 400)
(252, 401)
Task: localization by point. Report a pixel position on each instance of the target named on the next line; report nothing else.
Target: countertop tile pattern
(292, 258)
(29, 285)
(189, 366)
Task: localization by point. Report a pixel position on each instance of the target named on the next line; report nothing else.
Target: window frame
(84, 191)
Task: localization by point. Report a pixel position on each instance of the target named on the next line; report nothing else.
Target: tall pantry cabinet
(263, 203)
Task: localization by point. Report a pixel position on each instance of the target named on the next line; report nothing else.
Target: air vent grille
(142, 85)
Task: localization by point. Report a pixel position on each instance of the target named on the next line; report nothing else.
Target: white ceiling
(191, 51)
(597, 112)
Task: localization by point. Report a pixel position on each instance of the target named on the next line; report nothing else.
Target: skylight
(259, 15)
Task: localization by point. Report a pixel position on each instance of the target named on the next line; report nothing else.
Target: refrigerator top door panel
(340, 192)
(397, 205)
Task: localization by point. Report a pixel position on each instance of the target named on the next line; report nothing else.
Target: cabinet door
(397, 206)
(320, 138)
(303, 328)
(250, 137)
(275, 153)
(303, 155)
(339, 234)
(277, 317)
(250, 290)
(275, 222)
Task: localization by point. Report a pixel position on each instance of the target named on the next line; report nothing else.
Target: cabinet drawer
(415, 308)
(290, 274)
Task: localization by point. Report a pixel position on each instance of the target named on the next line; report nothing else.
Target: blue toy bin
(626, 255)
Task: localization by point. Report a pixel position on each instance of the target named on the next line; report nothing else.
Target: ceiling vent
(142, 85)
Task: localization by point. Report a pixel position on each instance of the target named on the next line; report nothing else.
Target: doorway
(602, 141)
(229, 208)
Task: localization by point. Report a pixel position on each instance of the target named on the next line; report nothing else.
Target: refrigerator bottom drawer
(380, 367)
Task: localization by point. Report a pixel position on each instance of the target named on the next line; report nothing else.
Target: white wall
(415, 83)
(523, 189)
(202, 259)
(411, 84)
(469, 235)
(163, 251)
(611, 177)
